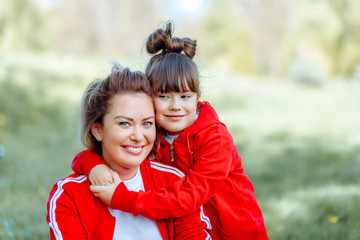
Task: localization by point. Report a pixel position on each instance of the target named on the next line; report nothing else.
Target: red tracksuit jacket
(215, 178)
(74, 213)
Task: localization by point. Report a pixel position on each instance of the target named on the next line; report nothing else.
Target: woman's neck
(125, 173)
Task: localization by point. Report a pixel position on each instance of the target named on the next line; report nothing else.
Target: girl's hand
(100, 175)
(105, 193)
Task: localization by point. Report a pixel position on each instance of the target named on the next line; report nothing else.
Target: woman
(118, 122)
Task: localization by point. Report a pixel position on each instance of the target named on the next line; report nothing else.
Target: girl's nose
(175, 105)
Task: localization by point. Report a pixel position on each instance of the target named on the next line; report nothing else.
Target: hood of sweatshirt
(207, 117)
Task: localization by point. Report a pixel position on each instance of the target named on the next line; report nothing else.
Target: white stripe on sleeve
(205, 218)
(167, 168)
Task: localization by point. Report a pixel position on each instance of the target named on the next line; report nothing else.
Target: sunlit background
(283, 75)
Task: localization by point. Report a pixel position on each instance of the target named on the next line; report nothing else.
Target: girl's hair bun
(162, 40)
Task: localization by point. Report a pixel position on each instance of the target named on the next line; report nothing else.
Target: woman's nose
(136, 134)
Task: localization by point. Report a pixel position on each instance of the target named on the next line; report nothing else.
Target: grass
(300, 145)
(301, 148)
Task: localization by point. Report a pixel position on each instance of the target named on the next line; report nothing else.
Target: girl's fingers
(95, 189)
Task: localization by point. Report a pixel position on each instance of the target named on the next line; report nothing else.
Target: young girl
(192, 139)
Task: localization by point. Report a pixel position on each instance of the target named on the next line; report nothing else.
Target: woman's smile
(134, 149)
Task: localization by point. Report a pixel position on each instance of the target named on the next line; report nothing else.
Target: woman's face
(128, 132)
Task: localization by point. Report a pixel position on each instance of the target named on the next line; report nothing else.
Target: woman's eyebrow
(127, 118)
(148, 118)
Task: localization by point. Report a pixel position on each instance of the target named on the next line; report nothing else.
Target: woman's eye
(148, 124)
(124, 124)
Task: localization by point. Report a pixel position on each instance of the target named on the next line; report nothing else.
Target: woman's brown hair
(98, 95)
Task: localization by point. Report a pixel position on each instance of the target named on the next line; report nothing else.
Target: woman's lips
(134, 150)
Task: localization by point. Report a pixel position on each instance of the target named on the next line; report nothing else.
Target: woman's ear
(96, 129)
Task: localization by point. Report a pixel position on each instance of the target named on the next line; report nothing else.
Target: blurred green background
(283, 75)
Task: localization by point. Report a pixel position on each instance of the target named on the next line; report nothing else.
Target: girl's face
(175, 111)
(127, 133)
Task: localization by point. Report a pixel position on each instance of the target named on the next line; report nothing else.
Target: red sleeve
(192, 227)
(85, 161)
(118, 201)
(212, 162)
(63, 217)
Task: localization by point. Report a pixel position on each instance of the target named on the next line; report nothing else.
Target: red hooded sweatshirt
(215, 178)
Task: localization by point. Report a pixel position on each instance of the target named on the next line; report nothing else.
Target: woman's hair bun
(162, 39)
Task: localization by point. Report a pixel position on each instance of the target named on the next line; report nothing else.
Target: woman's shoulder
(73, 184)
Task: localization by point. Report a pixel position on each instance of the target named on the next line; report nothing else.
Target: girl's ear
(198, 96)
(96, 129)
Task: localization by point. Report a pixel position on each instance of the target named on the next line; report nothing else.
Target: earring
(99, 138)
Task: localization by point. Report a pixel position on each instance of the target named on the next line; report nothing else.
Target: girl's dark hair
(171, 69)
(98, 95)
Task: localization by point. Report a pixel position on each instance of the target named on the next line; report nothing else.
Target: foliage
(323, 32)
(21, 26)
(269, 37)
(300, 147)
(307, 187)
(261, 37)
(39, 143)
(301, 154)
(225, 38)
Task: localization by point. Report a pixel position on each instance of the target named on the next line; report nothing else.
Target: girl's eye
(187, 95)
(124, 124)
(163, 96)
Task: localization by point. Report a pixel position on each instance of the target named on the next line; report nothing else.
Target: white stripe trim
(208, 237)
(167, 168)
(53, 224)
(205, 218)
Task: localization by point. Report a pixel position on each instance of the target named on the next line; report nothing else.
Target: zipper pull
(172, 153)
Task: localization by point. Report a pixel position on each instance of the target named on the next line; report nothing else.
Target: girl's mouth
(175, 117)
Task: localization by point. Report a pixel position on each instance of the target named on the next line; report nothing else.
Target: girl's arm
(84, 161)
(192, 227)
(93, 166)
(212, 163)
